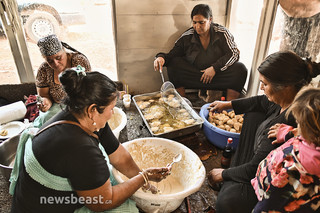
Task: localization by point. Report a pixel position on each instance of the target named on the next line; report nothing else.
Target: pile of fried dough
(228, 121)
(165, 115)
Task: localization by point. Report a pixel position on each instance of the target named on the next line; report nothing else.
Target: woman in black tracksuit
(204, 57)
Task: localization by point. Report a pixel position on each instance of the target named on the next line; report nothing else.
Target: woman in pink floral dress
(288, 179)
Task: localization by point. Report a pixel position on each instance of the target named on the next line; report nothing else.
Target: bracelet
(146, 175)
(145, 179)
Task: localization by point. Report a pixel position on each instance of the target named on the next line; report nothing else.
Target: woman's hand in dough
(157, 174)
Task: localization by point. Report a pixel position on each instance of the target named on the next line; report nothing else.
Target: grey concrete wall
(146, 27)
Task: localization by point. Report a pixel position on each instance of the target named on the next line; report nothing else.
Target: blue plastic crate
(215, 135)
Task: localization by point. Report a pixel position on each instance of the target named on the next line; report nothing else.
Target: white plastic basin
(186, 177)
(118, 121)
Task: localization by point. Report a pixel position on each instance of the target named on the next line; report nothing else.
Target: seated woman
(204, 57)
(65, 166)
(288, 179)
(57, 60)
(282, 75)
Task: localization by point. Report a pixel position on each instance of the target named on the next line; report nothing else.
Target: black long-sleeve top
(262, 145)
(222, 45)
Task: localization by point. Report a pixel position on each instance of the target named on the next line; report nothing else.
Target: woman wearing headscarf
(282, 75)
(57, 59)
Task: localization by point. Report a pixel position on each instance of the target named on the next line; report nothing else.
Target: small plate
(14, 128)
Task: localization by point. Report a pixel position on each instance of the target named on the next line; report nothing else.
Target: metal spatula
(161, 75)
(167, 89)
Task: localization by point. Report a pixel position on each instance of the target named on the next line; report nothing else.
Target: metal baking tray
(175, 133)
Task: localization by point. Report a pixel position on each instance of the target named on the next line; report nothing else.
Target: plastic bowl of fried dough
(218, 127)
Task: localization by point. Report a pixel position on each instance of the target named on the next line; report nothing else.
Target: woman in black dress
(282, 75)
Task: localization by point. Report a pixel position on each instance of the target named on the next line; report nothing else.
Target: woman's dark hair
(67, 46)
(285, 68)
(202, 9)
(84, 89)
